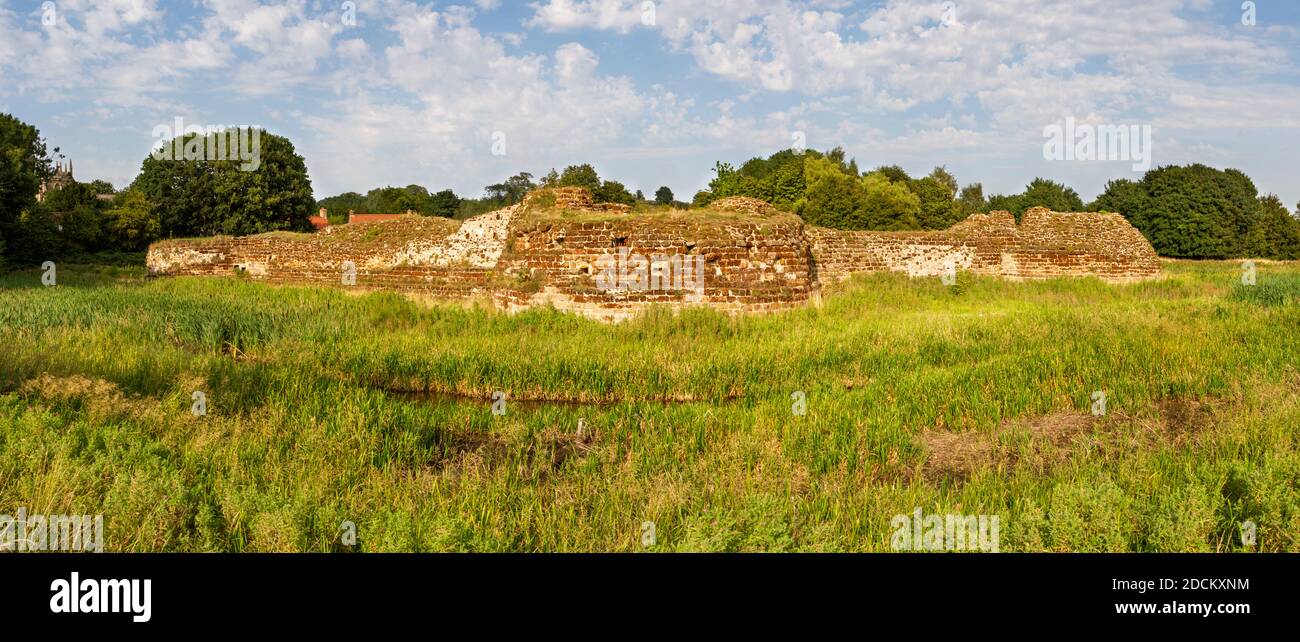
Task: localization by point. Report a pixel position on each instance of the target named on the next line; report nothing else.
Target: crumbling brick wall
(745, 266)
(558, 248)
(432, 256)
(1045, 244)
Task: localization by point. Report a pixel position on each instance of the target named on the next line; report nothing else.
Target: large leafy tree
(889, 205)
(444, 203)
(894, 173)
(838, 198)
(664, 196)
(71, 197)
(834, 198)
(938, 196)
(23, 166)
(204, 198)
(1193, 211)
(1038, 193)
(1124, 197)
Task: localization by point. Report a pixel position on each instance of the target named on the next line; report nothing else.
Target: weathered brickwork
(1044, 245)
(746, 265)
(560, 249)
(430, 256)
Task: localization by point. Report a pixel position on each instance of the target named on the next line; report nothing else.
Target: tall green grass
(307, 426)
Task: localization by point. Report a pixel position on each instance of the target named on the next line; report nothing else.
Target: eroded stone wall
(1045, 244)
(430, 256)
(745, 266)
(560, 249)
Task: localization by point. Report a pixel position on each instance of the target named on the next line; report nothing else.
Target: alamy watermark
(128, 596)
(25, 532)
(935, 533)
(181, 142)
(1085, 142)
(626, 272)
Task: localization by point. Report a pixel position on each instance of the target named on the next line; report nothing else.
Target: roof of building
(370, 218)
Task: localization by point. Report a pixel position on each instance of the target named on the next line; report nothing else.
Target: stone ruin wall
(429, 256)
(1044, 244)
(753, 259)
(749, 266)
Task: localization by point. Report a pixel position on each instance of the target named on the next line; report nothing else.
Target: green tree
(889, 205)
(1190, 212)
(71, 197)
(580, 176)
(945, 177)
(39, 238)
(132, 223)
(894, 173)
(834, 198)
(1050, 194)
(205, 198)
(972, 199)
(664, 196)
(1126, 198)
(780, 179)
(613, 192)
(1275, 234)
(337, 207)
(83, 228)
(1005, 203)
(512, 190)
(23, 166)
(444, 203)
(939, 207)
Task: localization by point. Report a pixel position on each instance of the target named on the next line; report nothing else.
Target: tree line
(1184, 211)
(419, 200)
(1193, 211)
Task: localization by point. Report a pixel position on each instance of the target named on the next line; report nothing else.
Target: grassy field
(323, 407)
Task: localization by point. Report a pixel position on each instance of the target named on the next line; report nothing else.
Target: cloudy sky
(393, 92)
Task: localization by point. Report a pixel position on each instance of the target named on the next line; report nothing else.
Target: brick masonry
(560, 249)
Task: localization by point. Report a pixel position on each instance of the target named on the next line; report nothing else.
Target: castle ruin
(559, 248)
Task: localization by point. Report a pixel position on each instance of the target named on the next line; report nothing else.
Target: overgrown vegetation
(309, 424)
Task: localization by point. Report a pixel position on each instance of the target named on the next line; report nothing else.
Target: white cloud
(414, 93)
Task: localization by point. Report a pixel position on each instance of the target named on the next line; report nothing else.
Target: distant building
(320, 221)
(62, 178)
(353, 217)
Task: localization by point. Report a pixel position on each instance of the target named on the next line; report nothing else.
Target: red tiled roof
(319, 222)
(370, 218)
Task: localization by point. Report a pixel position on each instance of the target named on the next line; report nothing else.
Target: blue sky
(654, 93)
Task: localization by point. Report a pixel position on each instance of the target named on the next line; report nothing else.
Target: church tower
(61, 178)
